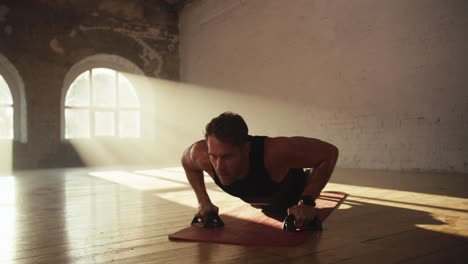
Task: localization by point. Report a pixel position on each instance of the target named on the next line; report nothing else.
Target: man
(260, 169)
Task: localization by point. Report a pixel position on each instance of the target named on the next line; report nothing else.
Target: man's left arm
(321, 173)
(302, 152)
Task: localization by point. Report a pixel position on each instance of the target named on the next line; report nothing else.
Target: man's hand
(205, 209)
(303, 214)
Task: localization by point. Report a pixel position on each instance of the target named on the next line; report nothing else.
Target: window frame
(16, 85)
(112, 62)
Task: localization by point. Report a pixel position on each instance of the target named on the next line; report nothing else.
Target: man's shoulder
(200, 146)
(285, 142)
(276, 143)
(274, 157)
(198, 149)
(279, 149)
(198, 153)
(274, 147)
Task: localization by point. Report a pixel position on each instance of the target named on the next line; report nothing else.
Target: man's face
(228, 160)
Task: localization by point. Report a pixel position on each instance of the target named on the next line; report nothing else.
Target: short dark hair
(228, 127)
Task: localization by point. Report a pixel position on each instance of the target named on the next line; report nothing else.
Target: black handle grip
(290, 226)
(210, 220)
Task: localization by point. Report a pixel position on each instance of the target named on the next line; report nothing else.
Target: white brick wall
(386, 81)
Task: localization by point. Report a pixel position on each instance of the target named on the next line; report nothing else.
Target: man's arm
(190, 162)
(301, 152)
(323, 169)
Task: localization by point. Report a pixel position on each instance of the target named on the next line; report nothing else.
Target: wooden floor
(125, 215)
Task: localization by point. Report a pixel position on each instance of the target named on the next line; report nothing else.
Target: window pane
(78, 93)
(77, 123)
(127, 93)
(104, 124)
(129, 124)
(6, 122)
(104, 82)
(5, 95)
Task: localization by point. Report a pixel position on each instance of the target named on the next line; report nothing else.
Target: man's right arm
(191, 162)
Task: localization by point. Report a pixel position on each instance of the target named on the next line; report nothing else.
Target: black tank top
(258, 183)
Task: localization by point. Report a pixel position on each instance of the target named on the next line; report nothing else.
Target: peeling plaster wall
(44, 39)
(386, 81)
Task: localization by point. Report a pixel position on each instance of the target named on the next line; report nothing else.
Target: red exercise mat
(248, 226)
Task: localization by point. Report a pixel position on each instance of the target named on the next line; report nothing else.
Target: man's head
(229, 128)
(228, 146)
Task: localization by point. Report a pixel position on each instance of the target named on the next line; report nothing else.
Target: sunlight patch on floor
(166, 173)
(137, 181)
(172, 173)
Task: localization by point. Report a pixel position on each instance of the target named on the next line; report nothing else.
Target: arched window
(6, 111)
(12, 103)
(100, 99)
(102, 102)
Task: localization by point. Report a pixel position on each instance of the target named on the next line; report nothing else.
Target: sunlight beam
(174, 114)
